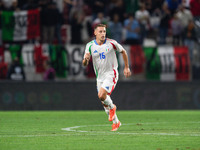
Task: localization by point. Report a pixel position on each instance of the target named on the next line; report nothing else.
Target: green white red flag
(20, 25)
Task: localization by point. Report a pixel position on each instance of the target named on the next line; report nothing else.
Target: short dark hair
(99, 25)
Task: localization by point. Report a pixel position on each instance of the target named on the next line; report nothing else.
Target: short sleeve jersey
(104, 57)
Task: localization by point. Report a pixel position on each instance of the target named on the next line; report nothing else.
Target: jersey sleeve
(88, 49)
(118, 47)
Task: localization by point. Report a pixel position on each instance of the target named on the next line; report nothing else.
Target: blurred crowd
(175, 22)
(128, 21)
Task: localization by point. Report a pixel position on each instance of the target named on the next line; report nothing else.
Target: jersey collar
(97, 43)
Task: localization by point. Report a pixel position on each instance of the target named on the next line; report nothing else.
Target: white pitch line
(72, 129)
(34, 135)
(75, 132)
(94, 133)
(46, 135)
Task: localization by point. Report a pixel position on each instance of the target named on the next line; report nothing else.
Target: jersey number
(102, 56)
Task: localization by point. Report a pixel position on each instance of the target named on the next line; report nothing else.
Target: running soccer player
(103, 52)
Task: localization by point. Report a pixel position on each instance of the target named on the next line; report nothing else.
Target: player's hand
(127, 72)
(86, 61)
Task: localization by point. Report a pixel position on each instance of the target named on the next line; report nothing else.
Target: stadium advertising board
(72, 95)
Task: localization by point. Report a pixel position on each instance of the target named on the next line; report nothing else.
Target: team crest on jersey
(107, 48)
(95, 51)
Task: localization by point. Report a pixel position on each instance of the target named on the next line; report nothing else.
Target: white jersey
(104, 57)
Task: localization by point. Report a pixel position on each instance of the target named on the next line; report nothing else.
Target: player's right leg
(107, 110)
(116, 123)
(106, 100)
(115, 126)
(107, 103)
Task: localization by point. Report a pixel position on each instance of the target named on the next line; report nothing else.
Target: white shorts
(108, 84)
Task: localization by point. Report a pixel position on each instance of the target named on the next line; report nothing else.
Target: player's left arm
(118, 47)
(127, 72)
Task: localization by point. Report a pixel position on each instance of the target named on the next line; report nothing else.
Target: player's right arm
(87, 54)
(86, 59)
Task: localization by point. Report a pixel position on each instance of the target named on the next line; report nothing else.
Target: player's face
(100, 33)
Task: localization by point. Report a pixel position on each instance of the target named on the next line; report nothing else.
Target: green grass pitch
(90, 130)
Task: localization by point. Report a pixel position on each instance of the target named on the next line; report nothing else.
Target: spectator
(173, 5)
(132, 31)
(98, 6)
(7, 4)
(176, 30)
(184, 15)
(87, 30)
(21, 3)
(1, 8)
(142, 15)
(115, 27)
(118, 8)
(195, 7)
(186, 3)
(131, 6)
(164, 24)
(30, 4)
(100, 19)
(71, 7)
(50, 72)
(15, 5)
(1, 5)
(59, 4)
(3, 70)
(88, 4)
(77, 6)
(76, 27)
(189, 38)
(10, 5)
(156, 5)
(42, 4)
(67, 10)
(16, 71)
(49, 20)
(59, 28)
(148, 5)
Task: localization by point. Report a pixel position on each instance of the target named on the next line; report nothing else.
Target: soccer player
(103, 52)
